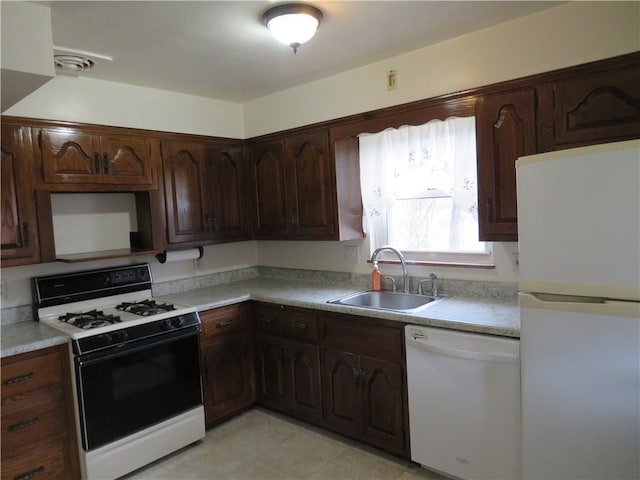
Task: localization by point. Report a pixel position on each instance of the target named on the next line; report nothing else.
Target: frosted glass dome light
(293, 24)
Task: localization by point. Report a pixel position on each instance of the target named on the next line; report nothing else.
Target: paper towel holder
(162, 257)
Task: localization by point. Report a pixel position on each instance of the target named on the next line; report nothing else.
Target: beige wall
(558, 37)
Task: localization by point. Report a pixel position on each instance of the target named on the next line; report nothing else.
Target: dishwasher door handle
(468, 354)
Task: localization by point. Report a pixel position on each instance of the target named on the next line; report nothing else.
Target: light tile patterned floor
(261, 445)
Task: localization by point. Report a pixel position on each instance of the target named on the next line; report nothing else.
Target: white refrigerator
(579, 251)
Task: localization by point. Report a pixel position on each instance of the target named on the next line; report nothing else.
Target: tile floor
(260, 444)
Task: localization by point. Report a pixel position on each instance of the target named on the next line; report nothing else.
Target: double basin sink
(390, 301)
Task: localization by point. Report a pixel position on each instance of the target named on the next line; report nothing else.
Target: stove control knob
(178, 322)
(107, 338)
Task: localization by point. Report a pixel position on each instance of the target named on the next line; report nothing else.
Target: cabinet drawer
(31, 373)
(33, 418)
(356, 334)
(44, 461)
(293, 322)
(225, 320)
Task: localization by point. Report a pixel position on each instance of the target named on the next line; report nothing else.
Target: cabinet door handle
(18, 378)
(29, 474)
(356, 376)
(206, 222)
(363, 376)
(301, 326)
(224, 323)
(283, 218)
(23, 424)
(96, 162)
(25, 234)
(105, 163)
(265, 320)
(489, 210)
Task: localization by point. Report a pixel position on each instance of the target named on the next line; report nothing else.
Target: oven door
(133, 386)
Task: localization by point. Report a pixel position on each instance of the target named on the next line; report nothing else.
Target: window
(419, 188)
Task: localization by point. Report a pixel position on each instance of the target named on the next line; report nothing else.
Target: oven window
(134, 389)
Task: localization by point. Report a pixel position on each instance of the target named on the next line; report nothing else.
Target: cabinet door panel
(18, 234)
(342, 396)
(309, 185)
(70, 156)
(268, 182)
(225, 177)
(270, 373)
(183, 167)
(229, 380)
(599, 107)
(304, 370)
(505, 131)
(126, 160)
(383, 406)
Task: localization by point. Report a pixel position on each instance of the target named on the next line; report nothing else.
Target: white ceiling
(220, 49)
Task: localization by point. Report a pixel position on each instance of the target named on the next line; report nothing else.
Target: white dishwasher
(464, 403)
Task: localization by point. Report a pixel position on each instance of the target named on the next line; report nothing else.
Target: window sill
(487, 266)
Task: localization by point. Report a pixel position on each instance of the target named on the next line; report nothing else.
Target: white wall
(567, 35)
(558, 37)
(86, 100)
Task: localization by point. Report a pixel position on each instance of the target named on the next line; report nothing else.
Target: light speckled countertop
(493, 316)
(28, 336)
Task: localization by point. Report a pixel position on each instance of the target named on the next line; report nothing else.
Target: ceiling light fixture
(293, 23)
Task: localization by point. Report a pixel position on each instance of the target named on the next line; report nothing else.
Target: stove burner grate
(145, 307)
(91, 319)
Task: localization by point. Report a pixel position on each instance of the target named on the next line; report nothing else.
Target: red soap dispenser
(376, 278)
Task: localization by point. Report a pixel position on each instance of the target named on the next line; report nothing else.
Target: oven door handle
(127, 348)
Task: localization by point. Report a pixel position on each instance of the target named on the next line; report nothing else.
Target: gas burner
(145, 307)
(91, 319)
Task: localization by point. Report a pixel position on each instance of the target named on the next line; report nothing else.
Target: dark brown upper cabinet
(72, 156)
(304, 189)
(18, 214)
(204, 185)
(505, 130)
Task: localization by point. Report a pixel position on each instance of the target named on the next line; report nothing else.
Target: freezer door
(580, 366)
(579, 221)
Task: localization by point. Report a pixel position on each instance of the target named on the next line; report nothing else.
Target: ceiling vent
(72, 63)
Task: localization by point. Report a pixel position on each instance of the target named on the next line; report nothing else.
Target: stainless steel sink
(393, 301)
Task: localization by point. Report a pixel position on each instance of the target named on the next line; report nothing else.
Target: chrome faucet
(434, 285)
(405, 272)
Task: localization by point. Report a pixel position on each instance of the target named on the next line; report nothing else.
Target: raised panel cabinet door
(271, 374)
(126, 160)
(383, 408)
(18, 216)
(506, 130)
(229, 382)
(268, 190)
(303, 363)
(341, 392)
(225, 179)
(184, 164)
(597, 108)
(310, 185)
(70, 156)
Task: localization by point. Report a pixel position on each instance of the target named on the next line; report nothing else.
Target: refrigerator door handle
(572, 303)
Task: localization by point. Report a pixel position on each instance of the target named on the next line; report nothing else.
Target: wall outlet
(392, 80)
(3, 289)
(515, 258)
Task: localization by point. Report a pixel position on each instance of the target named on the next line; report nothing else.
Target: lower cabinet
(288, 361)
(38, 421)
(364, 396)
(227, 361)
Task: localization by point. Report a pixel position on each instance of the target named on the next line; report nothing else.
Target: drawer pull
(23, 424)
(29, 474)
(299, 325)
(18, 378)
(224, 323)
(265, 320)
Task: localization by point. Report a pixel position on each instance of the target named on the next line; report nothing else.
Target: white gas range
(136, 364)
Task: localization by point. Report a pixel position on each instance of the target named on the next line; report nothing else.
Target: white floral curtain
(437, 159)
